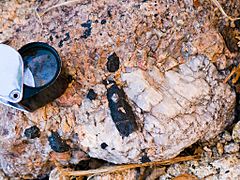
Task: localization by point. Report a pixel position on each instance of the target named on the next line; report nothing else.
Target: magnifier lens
(35, 77)
(40, 67)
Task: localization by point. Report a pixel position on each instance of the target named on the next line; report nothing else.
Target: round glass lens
(40, 67)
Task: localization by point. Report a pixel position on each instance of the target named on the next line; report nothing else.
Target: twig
(236, 71)
(61, 4)
(223, 12)
(230, 75)
(38, 17)
(118, 168)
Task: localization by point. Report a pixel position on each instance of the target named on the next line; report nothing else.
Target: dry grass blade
(62, 4)
(236, 72)
(223, 12)
(38, 17)
(230, 75)
(118, 168)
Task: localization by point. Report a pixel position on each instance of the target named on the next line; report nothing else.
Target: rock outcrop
(144, 85)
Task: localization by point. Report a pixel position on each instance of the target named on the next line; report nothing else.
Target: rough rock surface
(215, 164)
(172, 110)
(166, 51)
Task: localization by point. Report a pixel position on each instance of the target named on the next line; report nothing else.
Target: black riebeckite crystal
(113, 63)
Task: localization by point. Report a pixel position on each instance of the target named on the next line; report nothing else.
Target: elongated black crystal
(121, 111)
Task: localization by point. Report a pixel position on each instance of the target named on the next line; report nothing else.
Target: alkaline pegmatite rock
(173, 110)
(151, 35)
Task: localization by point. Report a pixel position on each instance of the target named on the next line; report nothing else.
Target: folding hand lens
(30, 77)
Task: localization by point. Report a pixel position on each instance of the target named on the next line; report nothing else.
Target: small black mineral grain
(145, 159)
(113, 63)
(51, 38)
(67, 36)
(32, 132)
(103, 21)
(121, 111)
(57, 143)
(91, 94)
(109, 13)
(104, 145)
(60, 44)
(88, 29)
(70, 78)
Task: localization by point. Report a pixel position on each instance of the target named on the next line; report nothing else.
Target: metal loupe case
(30, 77)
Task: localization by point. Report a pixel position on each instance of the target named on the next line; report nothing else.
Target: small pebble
(215, 151)
(32, 132)
(231, 148)
(208, 151)
(220, 149)
(227, 136)
(236, 133)
(205, 148)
